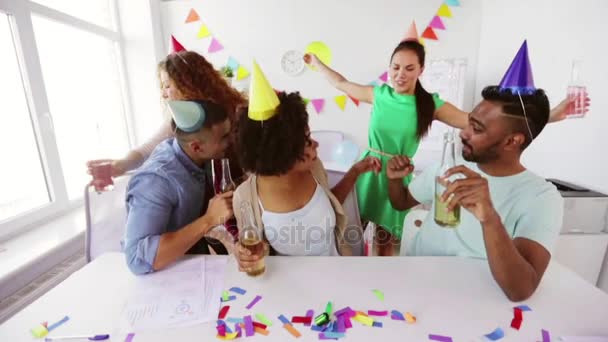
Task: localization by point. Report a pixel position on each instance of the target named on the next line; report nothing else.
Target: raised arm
(358, 91)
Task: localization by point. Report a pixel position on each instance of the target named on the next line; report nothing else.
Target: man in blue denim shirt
(167, 197)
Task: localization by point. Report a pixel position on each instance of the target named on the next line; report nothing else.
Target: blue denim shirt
(166, 193)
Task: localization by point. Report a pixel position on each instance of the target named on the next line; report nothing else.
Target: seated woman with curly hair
(288, 187)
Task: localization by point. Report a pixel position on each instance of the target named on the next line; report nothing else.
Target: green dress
(392, 129)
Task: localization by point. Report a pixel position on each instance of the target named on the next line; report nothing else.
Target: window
(22, 179)
(63, 103)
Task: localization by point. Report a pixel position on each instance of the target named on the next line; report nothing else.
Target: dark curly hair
(196, 79)
(537, 110)
(272, 147)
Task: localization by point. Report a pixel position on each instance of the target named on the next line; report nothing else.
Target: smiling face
(404, 71)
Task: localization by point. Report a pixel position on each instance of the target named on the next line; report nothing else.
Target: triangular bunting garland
(436, 23)
(192, 16)
(421, 41)
(306, 101)
(341, 101)
(429, 34)
(203, 32)
(384, 77)
(453, 3)
(355, 101)
(242, 73)
(177, 46)
(318, 104)
(215, 46)
(444, 11)
(232, 63)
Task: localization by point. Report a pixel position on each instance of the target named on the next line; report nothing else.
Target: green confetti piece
(263, 319)
(329, 308)
(39, 331)
(379, 294)
(225, 296)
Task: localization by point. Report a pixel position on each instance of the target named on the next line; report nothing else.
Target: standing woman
(402, 114)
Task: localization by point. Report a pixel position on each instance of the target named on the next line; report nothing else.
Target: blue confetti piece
(335, 335)
(284, 320)
(238, 290)
(57, 324)
(523, 308)
(235, 320)
(317, 328)
(496, 334)
(398, 314)
(377, 324)
(229, 299)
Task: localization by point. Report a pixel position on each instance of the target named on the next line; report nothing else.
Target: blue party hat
(519, 76)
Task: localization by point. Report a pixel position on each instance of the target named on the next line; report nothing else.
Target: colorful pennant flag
(192, 16)
(429, 34)
(306, 101)
(242, 73)
(436, 23)
(232, 63)
(203, 32)
(177, 46)
(444, 11)
(453, 3)
(215, 46)
(318, 104)
(341, 101)
(355, 101)
(384, 77)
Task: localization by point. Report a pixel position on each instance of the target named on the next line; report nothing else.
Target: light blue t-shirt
(529, 207)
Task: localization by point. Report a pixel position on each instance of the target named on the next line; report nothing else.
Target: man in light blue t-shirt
(509, 215)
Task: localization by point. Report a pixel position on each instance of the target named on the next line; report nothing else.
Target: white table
(449, 296)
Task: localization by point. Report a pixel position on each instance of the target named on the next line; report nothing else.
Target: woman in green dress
(402, 114)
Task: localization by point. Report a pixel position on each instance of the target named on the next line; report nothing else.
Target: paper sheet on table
(185, 293)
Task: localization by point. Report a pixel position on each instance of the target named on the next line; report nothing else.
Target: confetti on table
(249, 331)
(301, 319)
(378, 294)
(292, 330)
(225, 296)
(223, 312)
(411, 319)
(238, 290)
(344, 311)
(261, 331)
(377, 324)
(234, 320)
(39, 331)
(517, 318)
(396, 315)
(254, 302)
(364, 320)
(377, 313)
(546, 336)
(129, 337)
(58, 323)
(524, 308)
(284, 319)
(310, 313)
(496, 334)
(440, 338)
(228, 299)
(260, 317)
(331, 335)
(329, 308)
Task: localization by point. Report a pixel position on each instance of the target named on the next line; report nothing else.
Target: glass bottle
(443, 217)
(251, 237)
(576, 91)
(226, 183)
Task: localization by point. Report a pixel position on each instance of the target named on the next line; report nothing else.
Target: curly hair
(537, 110)
(272, 147)
(196, 79)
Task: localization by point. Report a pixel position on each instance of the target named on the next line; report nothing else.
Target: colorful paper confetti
(254, 302)
(496, 334)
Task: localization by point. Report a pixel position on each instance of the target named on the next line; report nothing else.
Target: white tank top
(308, 231)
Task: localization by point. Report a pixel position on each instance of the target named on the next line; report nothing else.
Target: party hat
(263, 100)
(177, 46)
(189, 116)
(519, 75)
(412, 33)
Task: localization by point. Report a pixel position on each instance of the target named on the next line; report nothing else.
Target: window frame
(20, 16)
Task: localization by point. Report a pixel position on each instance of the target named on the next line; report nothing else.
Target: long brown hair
(196, 79)
(425, 106)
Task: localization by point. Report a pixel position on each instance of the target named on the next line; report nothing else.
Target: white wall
(558, 31)
(361, 34)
